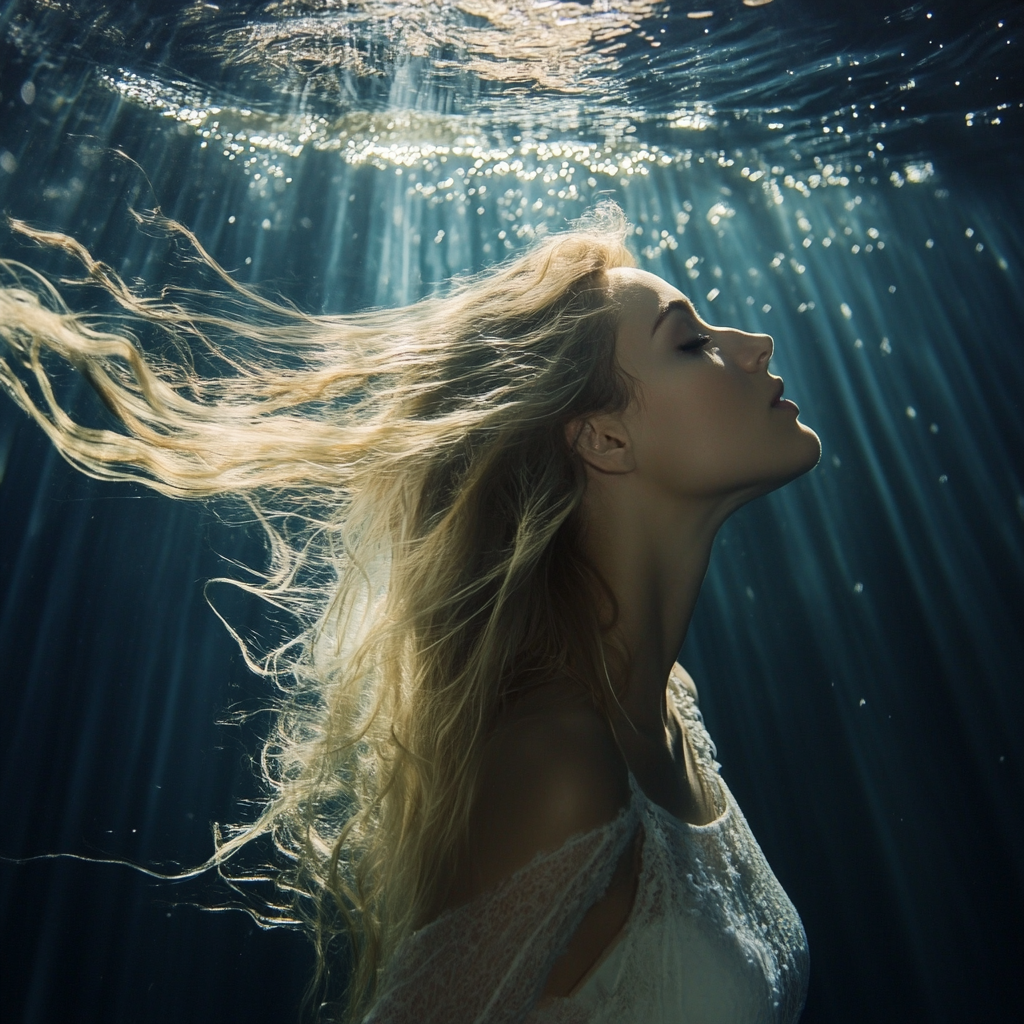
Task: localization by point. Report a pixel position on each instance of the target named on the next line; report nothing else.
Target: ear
(603, 442)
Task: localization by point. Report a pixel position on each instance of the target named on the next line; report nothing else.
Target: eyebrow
(682, 305)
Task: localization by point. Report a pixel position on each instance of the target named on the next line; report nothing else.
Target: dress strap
(684, 697)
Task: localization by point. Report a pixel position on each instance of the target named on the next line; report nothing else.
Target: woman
(491, 513)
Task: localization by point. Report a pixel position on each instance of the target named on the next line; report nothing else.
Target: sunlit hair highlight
(415, 477)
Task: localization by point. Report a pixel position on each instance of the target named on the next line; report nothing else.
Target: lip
(778, 402)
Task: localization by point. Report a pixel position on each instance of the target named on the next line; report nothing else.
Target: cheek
(696, 440)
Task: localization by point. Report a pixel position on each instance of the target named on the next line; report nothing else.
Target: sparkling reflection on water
(843, 179)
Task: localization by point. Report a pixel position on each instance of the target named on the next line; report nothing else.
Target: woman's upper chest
(668, 772)
(665, 765)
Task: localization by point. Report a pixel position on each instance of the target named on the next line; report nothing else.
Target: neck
(653, 554)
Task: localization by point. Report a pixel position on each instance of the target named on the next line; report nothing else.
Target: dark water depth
(847, 180)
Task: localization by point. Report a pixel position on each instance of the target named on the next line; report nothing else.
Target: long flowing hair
(413, 476)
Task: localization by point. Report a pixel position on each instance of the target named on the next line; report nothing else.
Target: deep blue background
(873, 736)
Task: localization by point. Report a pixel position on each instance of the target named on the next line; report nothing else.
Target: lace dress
(712, 937)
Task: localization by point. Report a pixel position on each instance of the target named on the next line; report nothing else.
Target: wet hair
(412, 473)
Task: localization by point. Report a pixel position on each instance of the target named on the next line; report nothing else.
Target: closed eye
(694, 344)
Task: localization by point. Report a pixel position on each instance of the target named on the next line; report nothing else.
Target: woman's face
(709, 422)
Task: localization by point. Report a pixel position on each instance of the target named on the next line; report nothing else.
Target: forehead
(641, 297)
(640, 290)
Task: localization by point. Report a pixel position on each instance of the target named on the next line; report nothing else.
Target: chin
(801, 458)
(812, 443)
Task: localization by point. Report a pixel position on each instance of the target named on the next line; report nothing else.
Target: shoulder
(545, 778)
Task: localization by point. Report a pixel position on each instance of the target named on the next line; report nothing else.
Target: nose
(752, 352)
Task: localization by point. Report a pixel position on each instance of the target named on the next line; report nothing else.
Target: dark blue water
(848, 180)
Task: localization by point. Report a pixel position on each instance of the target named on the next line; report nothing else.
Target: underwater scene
(846, 178)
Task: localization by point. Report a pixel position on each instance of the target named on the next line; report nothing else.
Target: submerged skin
(706, 435)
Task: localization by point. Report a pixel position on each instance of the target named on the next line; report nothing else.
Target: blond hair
(411, 470)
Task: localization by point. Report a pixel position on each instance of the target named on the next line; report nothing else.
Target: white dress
(712, 937)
